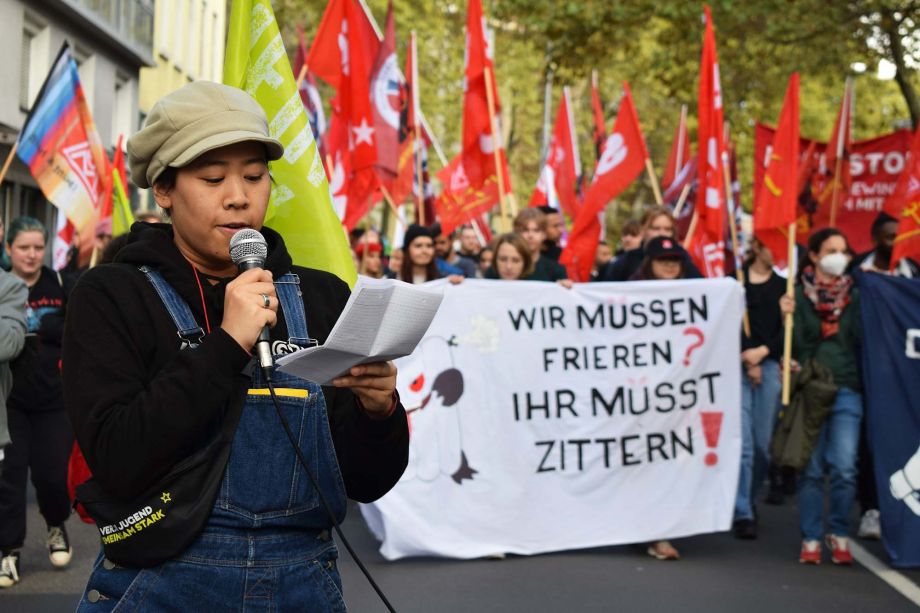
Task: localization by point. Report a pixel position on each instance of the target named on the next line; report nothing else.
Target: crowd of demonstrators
(656, 221)
(40, 433)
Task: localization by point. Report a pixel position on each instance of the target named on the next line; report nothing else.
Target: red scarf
(829, 297)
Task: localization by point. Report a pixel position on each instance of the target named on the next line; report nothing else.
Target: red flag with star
(346, 36)
(778, 198)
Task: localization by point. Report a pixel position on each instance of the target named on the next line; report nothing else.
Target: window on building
(25, 100)
(202, 38)
(217, 42)
(31, 62)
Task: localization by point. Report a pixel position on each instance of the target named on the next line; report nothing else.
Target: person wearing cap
(143, 399)
(664, 259)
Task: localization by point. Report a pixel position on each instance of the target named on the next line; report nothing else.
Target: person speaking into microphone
(171, 408)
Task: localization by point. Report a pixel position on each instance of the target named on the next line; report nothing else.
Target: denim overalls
(266, 545)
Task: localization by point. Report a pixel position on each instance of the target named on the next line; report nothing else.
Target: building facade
(111, 40)
(189, 37)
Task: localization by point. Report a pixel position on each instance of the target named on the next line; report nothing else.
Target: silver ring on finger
(266, 301)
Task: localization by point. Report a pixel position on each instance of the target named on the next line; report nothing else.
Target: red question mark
(700, 338)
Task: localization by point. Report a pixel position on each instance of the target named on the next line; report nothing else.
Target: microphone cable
(322, 498)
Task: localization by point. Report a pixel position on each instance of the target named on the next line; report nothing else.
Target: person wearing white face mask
(828, 330)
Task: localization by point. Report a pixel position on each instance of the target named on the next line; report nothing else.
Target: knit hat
(413, 232)
(192, 120)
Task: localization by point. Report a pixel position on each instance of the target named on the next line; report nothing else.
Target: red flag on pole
(597, 110)
(622, 161)
(388, 92)
(680, 151)
(904, 205)
(346, 35)
(559, 178)
(778, 198)
(478, 140)
(707, 245)
(460, 202)
(837, 159)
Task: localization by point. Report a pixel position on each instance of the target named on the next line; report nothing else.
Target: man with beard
(884, 231)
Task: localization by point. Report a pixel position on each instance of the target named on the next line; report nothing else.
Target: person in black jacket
(760, 356)
(143, 399)
(39, 429)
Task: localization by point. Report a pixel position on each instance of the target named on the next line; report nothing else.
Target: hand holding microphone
(250, 301)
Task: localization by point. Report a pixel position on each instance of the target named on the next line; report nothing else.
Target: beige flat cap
(192, 120)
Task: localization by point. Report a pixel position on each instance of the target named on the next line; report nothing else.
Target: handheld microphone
(248, 250)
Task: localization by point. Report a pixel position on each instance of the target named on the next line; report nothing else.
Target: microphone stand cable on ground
(322, 498)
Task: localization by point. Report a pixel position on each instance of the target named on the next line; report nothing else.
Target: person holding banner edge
(143, 403)
(828, 330)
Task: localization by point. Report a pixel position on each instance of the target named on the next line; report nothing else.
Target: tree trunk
(902, 73)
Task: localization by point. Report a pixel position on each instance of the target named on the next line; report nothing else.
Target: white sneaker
(59, 550)
(870, 526)
(9, 569)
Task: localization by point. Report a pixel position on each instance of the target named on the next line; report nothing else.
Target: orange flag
(904, 205)
(776, 203)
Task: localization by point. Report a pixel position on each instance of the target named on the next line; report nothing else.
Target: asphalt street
(716, 573)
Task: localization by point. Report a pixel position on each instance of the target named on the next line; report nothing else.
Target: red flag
(707, 245)
(388, 92)
(346, 34)
(478, 141)
(680, 151)
(559, 178)
(461, 202)
(622, 161)
(401, 186)
(776, 204)
(904, 205)
(600, 126)
(838, 153)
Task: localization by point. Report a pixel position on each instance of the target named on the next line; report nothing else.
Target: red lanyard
(207, 324)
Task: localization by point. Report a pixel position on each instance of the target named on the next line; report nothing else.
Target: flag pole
(653, 180)
(841, 132)
(788, 320)
(389, 200)
(419, 143)
(9, 160)
(302, 74)
(681, 200)
(679, 161)
(693, 223)
(733, 232)
(502, 197)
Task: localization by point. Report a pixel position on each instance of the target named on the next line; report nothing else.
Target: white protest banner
(545, 419)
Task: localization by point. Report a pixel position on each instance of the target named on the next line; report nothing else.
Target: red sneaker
(810, 553)
(840, 549)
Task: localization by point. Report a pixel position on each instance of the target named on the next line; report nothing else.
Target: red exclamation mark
(712, 426)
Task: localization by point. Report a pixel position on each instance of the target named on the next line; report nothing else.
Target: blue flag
(891, 362)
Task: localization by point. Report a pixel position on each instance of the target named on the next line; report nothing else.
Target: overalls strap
(291, 298)
(187, 328)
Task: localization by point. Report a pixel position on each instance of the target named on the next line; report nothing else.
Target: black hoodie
(139, 405)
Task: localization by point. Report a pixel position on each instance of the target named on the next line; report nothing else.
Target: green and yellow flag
(301, 205)
(122, 216)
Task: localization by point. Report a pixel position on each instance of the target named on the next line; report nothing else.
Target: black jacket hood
(152, 245)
